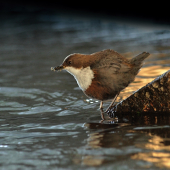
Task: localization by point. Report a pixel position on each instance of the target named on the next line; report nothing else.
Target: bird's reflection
(149, 133)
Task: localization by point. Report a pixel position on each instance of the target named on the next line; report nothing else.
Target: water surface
(46, 122)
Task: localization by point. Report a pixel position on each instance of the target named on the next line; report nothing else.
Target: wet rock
(136, 94)
(162, 89)
(154, 97)
(155, 84)
(147, 95)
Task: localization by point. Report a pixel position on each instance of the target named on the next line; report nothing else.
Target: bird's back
(113, 72)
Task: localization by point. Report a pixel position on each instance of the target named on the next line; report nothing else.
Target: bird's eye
(69, 62)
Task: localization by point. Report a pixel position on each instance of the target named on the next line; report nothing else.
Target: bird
(102, 75)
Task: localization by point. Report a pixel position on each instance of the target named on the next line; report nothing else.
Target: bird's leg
(101, 109)
(113, 101)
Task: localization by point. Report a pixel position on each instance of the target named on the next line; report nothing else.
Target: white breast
(83, 76)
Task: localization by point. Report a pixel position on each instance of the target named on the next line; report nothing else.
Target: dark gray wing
(110, 60)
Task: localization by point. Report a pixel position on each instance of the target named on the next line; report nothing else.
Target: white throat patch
(83, 76)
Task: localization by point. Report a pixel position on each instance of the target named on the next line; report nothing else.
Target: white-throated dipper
(102, 75)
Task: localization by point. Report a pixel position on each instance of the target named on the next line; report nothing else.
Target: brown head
(74, 60)
(78, 61)
(79, 66)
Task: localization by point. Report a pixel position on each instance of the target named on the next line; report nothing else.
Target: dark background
(155, 11)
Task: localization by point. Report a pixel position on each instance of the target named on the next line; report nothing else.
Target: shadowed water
(46, 122)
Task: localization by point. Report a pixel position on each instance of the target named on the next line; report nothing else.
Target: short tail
(139, 59)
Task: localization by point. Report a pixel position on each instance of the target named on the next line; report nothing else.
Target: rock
(154, 97)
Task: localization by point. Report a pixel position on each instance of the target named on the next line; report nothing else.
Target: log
(154, 97)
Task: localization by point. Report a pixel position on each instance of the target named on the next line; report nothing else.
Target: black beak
(57, 68)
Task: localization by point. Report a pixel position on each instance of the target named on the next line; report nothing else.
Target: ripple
(66, 113)
(67, 126)
(27, 101)
(151, 127)
(40, 109)
(19, 92)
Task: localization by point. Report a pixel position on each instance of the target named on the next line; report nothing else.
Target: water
(46, 122)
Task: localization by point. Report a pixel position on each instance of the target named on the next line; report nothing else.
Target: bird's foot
(102, 115)
(110, 115)
(111, 110)
(101, 109)
(109, 121)
(111, 106)
(105, 117)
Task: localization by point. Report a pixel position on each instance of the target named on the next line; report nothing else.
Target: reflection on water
(158, 147)
(43, 114)
(150, 144)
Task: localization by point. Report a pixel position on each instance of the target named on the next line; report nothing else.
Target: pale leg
(113, 101)
(101, 109)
